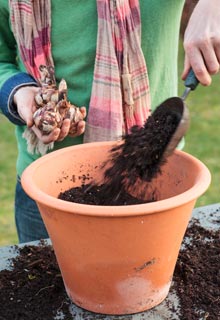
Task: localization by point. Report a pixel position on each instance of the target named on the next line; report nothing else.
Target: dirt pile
(34, 289)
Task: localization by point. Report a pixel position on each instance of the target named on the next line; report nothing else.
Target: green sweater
(74, 31)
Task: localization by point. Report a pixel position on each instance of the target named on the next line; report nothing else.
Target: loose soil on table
(33, 288)
(197, 275)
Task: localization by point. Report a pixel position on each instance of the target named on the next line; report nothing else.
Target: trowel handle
(191, 80)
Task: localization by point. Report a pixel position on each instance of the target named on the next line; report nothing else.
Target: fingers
(59, 134)
(202, 41)
(53, 136)
(26, 113)
(186, 68)
(80, 128)
(194, 58)
(29, 122)
(64, 130)
(29, 116)
(210, 58)
(83, 111)
(217, 51)
(25, 100)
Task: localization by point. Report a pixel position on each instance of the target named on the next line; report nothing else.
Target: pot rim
(200, 186)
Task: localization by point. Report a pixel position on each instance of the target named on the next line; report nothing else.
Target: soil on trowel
(139, 157)
(33, 288)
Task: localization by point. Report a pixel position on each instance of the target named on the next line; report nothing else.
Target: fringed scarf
(120, 92)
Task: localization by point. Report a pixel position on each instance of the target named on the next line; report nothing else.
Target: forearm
(11, 77)
(7, 92)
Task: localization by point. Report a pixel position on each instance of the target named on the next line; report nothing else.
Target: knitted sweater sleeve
(11, 77)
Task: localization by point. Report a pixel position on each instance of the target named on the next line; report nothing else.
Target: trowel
(177, 109)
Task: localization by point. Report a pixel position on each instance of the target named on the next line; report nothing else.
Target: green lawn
(202, 141)
(203, 136)
(8, 153)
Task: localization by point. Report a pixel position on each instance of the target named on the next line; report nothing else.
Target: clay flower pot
(115, 259)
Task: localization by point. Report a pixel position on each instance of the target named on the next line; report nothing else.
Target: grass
(203, 136)
(202, 141)
(7, 182)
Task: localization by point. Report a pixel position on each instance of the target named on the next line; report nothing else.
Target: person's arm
(11, 78)
(202, 41)
(18, 89)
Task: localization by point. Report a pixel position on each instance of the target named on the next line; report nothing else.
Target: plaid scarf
(120, 92)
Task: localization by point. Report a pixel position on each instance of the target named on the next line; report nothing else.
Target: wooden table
(206, 216)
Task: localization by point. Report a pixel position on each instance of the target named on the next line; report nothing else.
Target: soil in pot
(98, 195)
(33, 288)
(140, 156)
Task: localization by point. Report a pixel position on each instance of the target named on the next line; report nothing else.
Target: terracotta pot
(115, 260)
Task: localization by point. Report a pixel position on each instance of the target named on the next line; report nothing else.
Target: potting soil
(99, 196)
(33, 288)
(139, 156)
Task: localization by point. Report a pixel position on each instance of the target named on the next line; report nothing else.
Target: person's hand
(58, 134)
(79, 127)
(24, 99)
(202, 41)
